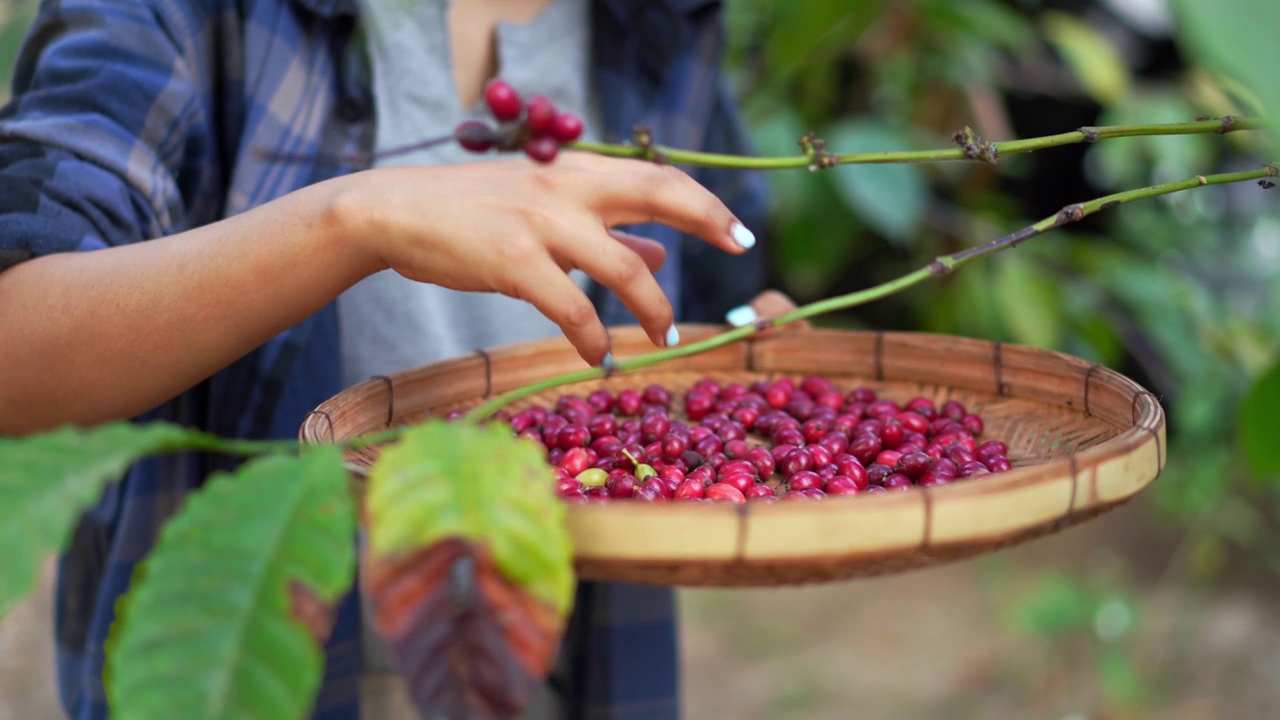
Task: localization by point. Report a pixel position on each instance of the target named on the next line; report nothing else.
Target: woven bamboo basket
(1082, 439)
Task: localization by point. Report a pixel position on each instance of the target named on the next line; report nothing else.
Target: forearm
(94, 336)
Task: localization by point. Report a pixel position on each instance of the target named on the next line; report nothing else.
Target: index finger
(636, 191)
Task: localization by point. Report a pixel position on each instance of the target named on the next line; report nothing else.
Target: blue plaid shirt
(133, 119)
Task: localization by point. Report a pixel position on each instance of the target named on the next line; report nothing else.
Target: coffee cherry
(836, 443)
(663, 489)
(737, 466)
(649, 493)
(888, 457)
(601, 400)
(698, 404)
(973, 424)
(573, 436)
(913, 422)
(763, 460)
(657, 395)
(723, 492)
(861, 395)
(592, 477)
(654, 426)
(913, 464)
(805, 480)
(944, 468)
(740, 480)
(689, 490)
(953, 410)
(842, 485)
(623, 486)
(475, 136)
(759, 492)
(897, 481)
(998, 463)
(922, 405)
(540, 116)
(541, 149)
(929, 477)
(865, 449)
(502, 99)
(628, 402)
(892, 435)
(674, 446)
(566, 128)
(736, 448)
(876, 474)
(992, 447)
(797, 460)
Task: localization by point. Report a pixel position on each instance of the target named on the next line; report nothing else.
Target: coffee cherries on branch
(537, 128)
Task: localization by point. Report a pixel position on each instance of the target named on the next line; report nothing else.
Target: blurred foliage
(1177, 292)
(15, 17)
(1098, 621)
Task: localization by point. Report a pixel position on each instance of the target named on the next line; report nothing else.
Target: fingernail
(607, 363)
(741, 315)
(673, 336)
(742, 235)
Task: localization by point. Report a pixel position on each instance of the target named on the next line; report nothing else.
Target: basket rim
(1061, 478)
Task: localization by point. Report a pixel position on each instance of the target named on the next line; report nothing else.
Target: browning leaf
(471, 644)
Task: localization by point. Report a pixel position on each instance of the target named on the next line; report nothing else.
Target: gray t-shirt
(389, 323)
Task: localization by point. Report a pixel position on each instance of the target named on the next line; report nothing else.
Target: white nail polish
(741, 315)
(742, 235)
(673, 336)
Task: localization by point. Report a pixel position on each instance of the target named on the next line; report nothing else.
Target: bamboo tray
(1082, 439)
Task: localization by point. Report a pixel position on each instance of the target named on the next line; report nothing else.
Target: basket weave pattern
(1082, 439)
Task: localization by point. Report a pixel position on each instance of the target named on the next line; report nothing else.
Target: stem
(941, 266)
(251, 448)
(971, 147)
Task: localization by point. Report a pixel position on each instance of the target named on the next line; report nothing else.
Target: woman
(263, 283)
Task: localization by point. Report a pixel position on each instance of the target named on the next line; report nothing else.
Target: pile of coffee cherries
(537, 127)
(768, 441)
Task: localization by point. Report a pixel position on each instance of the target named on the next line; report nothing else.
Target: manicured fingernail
(741, 315)
(607, 363)
(742, 235)
(673, 336)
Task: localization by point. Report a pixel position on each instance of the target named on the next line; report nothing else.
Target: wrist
(345, 227)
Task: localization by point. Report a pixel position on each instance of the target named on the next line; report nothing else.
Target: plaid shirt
(133, 119)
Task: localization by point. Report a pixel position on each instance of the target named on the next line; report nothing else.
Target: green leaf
(1028, 301)
(1121, 679)
(889, 198)
(1236, 38)
(799, 40)
(1093, 58)
(458, 480)
(1260, 424)
(48, 479)
(227, 619)
(1061, 605)
(777, 132)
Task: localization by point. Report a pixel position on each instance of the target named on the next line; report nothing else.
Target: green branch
(970, 147)
(941, 266)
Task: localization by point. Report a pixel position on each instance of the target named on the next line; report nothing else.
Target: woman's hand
(517, 228)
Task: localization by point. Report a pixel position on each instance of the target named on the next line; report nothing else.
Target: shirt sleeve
(105, 130)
